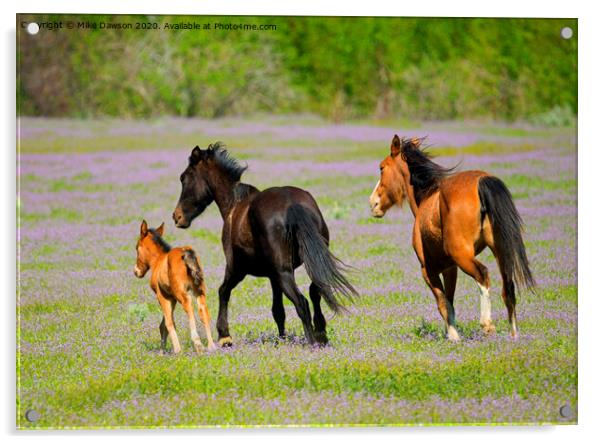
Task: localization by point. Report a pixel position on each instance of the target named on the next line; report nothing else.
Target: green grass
(89, 338)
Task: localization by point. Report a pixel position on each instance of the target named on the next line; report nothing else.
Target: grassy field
(88, 334)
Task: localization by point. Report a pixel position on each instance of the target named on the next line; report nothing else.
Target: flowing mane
(425, 175)
(226, 162)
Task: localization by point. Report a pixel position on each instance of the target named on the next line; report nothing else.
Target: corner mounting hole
(32, 415)
(566, 33)
(566, 411)
(33, 28)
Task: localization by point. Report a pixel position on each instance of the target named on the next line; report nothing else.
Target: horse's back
(460, 192)
(283, 197)
(272, 204)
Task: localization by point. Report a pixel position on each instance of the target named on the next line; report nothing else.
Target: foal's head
(149, 245)
(389, 190)
(208, 172)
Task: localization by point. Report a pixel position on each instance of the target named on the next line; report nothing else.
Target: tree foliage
(427, 68)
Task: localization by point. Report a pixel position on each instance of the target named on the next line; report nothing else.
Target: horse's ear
(395, 146)
(161, 229)
(196, 154)
(143, 229)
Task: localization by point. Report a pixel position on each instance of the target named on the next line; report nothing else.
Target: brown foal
(176, 276)
(457, 215)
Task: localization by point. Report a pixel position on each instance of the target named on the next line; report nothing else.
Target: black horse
(265, 233)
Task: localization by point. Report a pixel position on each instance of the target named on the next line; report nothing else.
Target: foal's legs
(288, 285)
(168, 306)
(319, 321)
(446, 309)
(278, 307)
(188, 308)
(163, 331)
(230, 281)
(201, 302)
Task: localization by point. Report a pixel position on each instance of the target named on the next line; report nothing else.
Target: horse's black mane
(229, 164)
(425, 175)
(157, 239)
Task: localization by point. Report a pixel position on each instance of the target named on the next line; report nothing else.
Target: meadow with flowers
(88, 330)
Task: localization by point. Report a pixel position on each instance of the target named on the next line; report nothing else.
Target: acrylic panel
(347, 221)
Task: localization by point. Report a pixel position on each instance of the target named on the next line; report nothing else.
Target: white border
(590, 160)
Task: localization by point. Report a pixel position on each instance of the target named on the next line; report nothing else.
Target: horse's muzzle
(179, 219)
(375, 207)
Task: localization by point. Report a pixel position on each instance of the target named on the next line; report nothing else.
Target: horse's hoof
(488, 329)
(321, 338)
(453, 336)
(198, 348)
(514, 335)
(226, 341)
(211, 347)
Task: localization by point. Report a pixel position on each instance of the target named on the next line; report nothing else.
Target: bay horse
(457, 215)
(265, 233)
(176, 276)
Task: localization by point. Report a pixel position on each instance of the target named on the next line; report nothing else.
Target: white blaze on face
(375, 199)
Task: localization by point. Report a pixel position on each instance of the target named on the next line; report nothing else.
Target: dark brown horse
(265, 233)
(457, 214)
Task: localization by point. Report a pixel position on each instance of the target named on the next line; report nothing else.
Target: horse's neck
(409, 189)
(242, 190)
(227, 201)
(155, 258)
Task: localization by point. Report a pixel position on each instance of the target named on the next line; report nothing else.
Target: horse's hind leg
(509, 298)
(288, 285)
(278, 308)
(163, 331)
(186, 300)
(450, 277)
(168, 306)
(508, 289)
(319, 321)
(201, 301)
(475, 269)
(446, 309)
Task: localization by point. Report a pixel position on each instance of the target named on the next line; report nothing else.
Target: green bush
(342, 68)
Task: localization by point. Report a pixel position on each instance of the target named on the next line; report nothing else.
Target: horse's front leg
(231, 280)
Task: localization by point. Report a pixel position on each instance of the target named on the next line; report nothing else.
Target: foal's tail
(323, 267)
(194, 268)
(507, 225)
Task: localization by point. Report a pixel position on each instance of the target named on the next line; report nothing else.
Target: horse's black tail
(507, 225)
(323, 268)
(194, 268)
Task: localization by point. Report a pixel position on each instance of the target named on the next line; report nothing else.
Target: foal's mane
(158, 240)
(425, 175)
